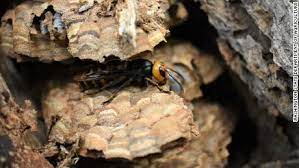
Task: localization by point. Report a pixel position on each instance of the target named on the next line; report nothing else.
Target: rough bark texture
(256, 43)
(18, 133)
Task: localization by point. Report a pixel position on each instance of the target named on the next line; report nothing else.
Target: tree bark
(255, 40)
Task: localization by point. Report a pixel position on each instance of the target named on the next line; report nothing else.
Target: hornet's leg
(95, 90)
(115, 92)
(157, 85)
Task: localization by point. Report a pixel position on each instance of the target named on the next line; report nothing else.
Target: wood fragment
(17, 127)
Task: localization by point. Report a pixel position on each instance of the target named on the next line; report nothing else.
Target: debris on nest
(135, 124)
(18, 128)
(207, 150)
(90, 29)
(196, 67)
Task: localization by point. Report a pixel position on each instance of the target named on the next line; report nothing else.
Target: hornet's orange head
(159, 71)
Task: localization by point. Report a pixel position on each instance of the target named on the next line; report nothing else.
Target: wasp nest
(209, 149)
(135, 124)
(56, 30)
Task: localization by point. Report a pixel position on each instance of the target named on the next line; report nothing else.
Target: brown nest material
(56, 30)
(135, 124)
